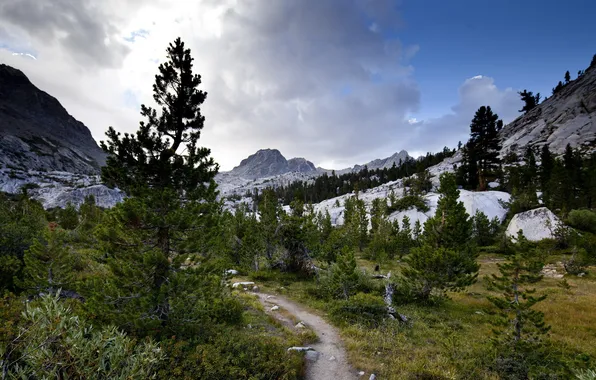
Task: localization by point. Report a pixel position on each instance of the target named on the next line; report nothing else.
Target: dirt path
(332, 363)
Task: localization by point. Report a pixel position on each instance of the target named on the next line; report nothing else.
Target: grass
(451, 340)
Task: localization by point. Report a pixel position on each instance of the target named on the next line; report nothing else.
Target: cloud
(311, 79)
(447, 130)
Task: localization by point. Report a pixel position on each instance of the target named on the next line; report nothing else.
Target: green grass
(451, 340)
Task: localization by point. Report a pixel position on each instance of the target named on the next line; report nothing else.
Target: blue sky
(521, 44)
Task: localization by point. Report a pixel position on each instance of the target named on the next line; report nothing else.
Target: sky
(339, 82)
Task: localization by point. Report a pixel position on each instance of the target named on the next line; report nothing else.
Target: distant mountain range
(270, 162)
(36, 132)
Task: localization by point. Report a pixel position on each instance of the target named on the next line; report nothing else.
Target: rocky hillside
(268, 163)
(37, 133)
(568, 117)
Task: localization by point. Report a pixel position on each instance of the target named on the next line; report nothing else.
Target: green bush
(584, 220)
(407, 202)
(365, 309)
(56, 344)
(231, 354)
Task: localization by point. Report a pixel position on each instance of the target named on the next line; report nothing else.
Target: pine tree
(567, 77)
(482, 229)
(446, 260)
(436, 270)
(344, 275)
(68, 217)
(451, 226)
(49, 264)
(518, 327)
(90, 213)
(170, 185)
(270, 212)
(377, 212)
(558, 87)
(530, 101)
(22, 221)
(546, 168)
(467, 173)
(485, 144)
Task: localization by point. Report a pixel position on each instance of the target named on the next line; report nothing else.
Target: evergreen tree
(344, 275)
(294, 240)
(404, 240)
(377, 212)
(49, 264)
(270, 212)
(530, 101)
(22, 221)
(482, 229)
(567, 77)
(518, 327)
(170, 183)
(467, 173)
(546, 168)
(451, 226)
(90, 213)
(485, 144)
(530, 170)
(436, 270)
(593, 62)
(558, 87)
(68, 217)
(446, 260)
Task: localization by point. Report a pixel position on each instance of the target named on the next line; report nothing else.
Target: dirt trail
(332, 363)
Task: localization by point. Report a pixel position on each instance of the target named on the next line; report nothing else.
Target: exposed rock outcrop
(535, 224)
(567, 117)
(36, 132)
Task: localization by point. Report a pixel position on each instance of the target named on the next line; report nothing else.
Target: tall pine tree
(485, 145)
(169, 179)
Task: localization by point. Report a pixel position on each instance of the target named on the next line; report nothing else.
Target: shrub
(365, 309)
(584, 220)
(407, 202)
(231, 354)
(55, 343)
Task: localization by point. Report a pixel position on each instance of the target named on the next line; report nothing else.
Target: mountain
(36, 132)
(567, 117)
(381, 163)
(268, 163)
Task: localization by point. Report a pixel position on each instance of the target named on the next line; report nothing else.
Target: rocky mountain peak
(270, 162)
(37, 133)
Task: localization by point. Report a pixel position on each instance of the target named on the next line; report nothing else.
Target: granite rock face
(37, 133)
(568, 117)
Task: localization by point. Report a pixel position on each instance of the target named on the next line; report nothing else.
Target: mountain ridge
(37, 133)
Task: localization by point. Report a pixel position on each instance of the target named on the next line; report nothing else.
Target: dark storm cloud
(85, 31)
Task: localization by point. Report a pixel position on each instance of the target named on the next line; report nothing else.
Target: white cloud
(433, 134)
(311, 79)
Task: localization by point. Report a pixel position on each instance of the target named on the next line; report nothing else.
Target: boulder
(535, 224)
(301, 349)
(243, 284)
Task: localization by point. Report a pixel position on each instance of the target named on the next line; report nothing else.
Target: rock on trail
(332, 362)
